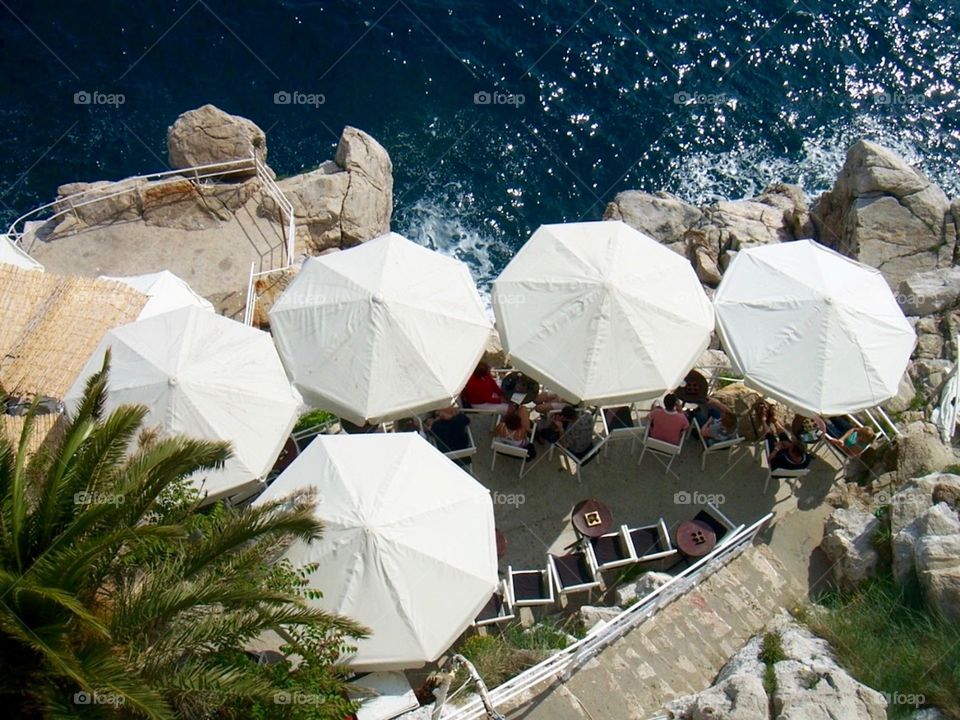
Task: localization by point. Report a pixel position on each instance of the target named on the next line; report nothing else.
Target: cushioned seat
(646, 541)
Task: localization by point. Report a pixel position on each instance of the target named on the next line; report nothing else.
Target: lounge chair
(528, 588)
(572, 572)
(730, 445)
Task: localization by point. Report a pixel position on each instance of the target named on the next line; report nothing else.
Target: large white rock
(208, 135)
(920, 451)
(661, 215)
(930, 292)
(884, 213)
(368, 204)
(848, 544)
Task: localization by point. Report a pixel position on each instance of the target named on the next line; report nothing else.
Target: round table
(591, 518)
(694, 388)
(516, 382)
(501, 544)
(695, 538)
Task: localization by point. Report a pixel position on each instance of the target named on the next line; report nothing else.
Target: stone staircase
(676, 652)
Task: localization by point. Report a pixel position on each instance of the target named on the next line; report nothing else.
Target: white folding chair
(616, 429)
(609, 551)
(730, 445)
(462, 454)
(499, 447)
(578, 462)
(650, 542)
(499, 608)
(779, 473)
(573, 572)
(660, 447)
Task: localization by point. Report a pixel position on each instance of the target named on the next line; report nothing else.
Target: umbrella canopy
(812, 328)
(12, 254)
(205, 376)
(380, 331)
(601, 313)
(166, 292)
(408, 548)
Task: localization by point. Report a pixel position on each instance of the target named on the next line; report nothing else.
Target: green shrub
(312, 419)
(886, 637)
(771, 652)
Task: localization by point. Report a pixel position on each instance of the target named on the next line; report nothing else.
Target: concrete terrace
(680, 649)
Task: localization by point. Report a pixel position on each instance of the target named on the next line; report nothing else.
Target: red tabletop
(695, 538)
(694, 388)
(501, 544)
(591, 518)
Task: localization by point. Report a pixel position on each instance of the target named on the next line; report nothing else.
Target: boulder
(848, 544)
(809, 684)
(884, 213)
(592, 616)
(937, 559)
(119, 208)
(920, 451)
(368, 204)
(906, 392)
(628, 594)
(317, 199)
(930, 292)
(208, 135)
(661, 215)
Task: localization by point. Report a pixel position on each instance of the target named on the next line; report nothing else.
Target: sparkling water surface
(499, 116)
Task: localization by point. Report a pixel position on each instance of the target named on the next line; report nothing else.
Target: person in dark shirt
(449, 428)
(786, 453)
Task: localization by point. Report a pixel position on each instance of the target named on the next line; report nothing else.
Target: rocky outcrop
(629, 593)
(886, 214)
(662, 216)
(776, 215)
(920, 451)
(848, 544)
(807, 683)
(930, 292)
(345, 201)
(208, 135)
(925, 527)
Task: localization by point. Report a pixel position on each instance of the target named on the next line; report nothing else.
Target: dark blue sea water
(706, 99)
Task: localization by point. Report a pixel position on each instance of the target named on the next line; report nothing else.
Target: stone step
(678, 651)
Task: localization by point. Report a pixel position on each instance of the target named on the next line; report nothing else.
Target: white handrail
(196, 173)
(559, 665)
(273, 190)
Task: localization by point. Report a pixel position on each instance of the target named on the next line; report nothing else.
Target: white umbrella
(812, 328)
(205, 376)
(380, 331)
(408, 547)
(12, 254)
(165, 291)
(601, 313)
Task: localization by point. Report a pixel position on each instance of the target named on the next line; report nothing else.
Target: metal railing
(271, 188)
(70, 203)
(560, 666)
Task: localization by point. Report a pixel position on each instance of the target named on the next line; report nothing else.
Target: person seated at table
(837, 426)
(354, 429)
(448, 427)
(667, 423)
(854, 441)
(784, 453)
(514, 429)
(482, 392)
(720, 429)
(765, 419)
(576, 430)
(710, 407)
